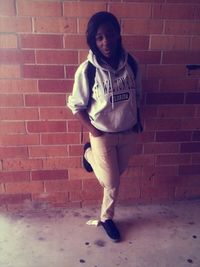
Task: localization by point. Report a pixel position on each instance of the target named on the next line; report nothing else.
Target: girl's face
(107, 39)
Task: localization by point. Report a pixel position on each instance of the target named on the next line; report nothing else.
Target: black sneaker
(86, 164)
(111, 230)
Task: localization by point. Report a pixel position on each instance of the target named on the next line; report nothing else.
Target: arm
(83, 117)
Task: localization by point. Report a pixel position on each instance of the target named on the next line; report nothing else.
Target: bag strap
(133, 64)
(91, 70)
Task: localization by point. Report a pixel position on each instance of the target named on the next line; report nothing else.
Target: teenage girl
(110, 110)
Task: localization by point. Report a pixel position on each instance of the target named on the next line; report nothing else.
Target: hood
(105, 66)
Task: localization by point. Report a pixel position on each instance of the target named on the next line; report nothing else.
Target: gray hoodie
(115, 95)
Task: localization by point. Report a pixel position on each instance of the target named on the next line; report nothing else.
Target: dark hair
(94, 23)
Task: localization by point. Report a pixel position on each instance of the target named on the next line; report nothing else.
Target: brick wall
(41, 44)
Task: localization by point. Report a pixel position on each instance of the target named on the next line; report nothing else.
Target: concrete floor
(153, 236)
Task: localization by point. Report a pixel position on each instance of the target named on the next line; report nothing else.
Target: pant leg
(103, 158)
(126, 148)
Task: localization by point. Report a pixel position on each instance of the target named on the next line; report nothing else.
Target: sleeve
(78, 99)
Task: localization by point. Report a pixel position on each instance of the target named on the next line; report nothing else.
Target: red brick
(141, 26)
(186, 192)
(19, 176)
(173, 159)
(180, 57)
(148, 57)
(173, 136)
(2, 189)
(74, 9)
(60, 138)
(10, 71)
(12, 56)
(56, 57)
(74, 126)
(38, 8)
(46, 126)
(189, 170)
(166, 71)
(52, 86)
(75, 42)
(91, 195)
(55, 25)
(7, 8)
(129, 184)
(146, 137)
(41, 41)
(70, 71)
(83, 55)
(149, 1)
(19, 139)
(167, 180)
(25, 187)
(91, 185)
(192, 98)
(150, 85)
(14, 198)
(159, 170)
(191, 147)
(173, 11)
(157, 193)
(49, 175)
(63, 186)
(163, 124)
(43, 71)
(183, 1)
(45, 100)
(196, 136)
(149, 112)
(182, 111)
(82, 25)
(196, 159)
(182, 27)
(8, 127)
(141, 160)
(13, 152)
(162, 148)
(127, 193)
(8, 40)
(19, 113)
(56, 113)
(164, 98)
(176, 85)
(62, 163)
(135, 42)
(132, 171)
(48, 151)
(198, 111)
(75, 150)
(14, 24)
(17, 86)
(52, 198)
(80, 173)
(168, 42)
(195, 43)
(22, 164)
(129, 10)
(11, 100)
(192, 124)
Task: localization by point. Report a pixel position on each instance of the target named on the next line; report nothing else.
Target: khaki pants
(109, 156)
